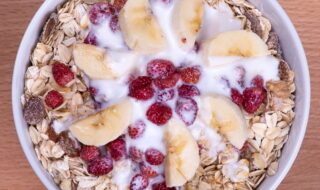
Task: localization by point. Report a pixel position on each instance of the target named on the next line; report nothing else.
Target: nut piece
(34, 111)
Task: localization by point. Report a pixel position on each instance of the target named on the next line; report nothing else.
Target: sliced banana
(187, 19)
(238, 43)
(226, 117)
(140, 28)
(93, 61)
(182, 159)
(105, 126)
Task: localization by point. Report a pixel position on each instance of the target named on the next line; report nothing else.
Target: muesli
(158, 94)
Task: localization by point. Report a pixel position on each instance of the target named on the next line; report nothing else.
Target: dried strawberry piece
(91, 39)
(236, 96)
(159, 113)
(161, 186)
(135, 154)
(168, 82)
(93, 91)
(141, 88)
(257, 81)
(139, 182)
(62, 74)
(119, 4)
(187, 109)
(89, 153)
(154, 156)
(160, 68)
(100, 166)
(68, 145)
(241, 72)
(190, 75)
(34, 111)
(100, 11)
(114, 23)
(137, 129)
(188, 91)
(148, 171)
(253, 97)
(165, 95)
(54, 99)
(117, 148)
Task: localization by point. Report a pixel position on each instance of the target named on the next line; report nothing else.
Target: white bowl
(292, 49)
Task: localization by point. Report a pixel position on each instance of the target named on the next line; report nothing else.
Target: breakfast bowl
(47, 147)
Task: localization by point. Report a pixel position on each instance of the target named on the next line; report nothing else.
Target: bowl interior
(292, 50)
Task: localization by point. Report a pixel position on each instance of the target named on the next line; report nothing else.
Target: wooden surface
(15, 171)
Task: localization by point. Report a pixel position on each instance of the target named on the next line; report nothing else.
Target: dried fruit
(52, 134)
(114, 23)
(253, 97)
(186, 91)
(190, 75)
(100, 166)
(148, 171)
(91, 39)
(136, 130)
(236, 96)
(141, 88)
(161, 186)
(54, 99)
(139, 182)
(117, 148)
(160, 68)
(62, 74)
(187, 109)
(118, 4)
(257, 81)
(34, 111)
(100, 11)
(89, 153)
(154, 156)
(165, 95)
(168, 82)
(68, 145)
(135, 154)
(93, 91)
(159, 113)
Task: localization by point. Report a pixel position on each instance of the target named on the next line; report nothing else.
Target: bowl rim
(18, 113)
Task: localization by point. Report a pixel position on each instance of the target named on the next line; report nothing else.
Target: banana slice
(226, 117)
(105, 126)
(92, 61)
(140, 29)
(187, 19)
(182, 158)
(238, 43)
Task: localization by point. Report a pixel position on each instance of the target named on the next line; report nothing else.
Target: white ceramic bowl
(292, 49)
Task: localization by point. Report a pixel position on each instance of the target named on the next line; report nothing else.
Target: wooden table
(15, 171)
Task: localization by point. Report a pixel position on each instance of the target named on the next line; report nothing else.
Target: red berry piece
(236, 96)
(241, 72)
(136, 130)
(160, 68)
(187, 109)
(89, 153)
(190, 75)
(117, 148)
(54, 99)
(100, 11)
(188, 91)
(139, 182)
(159, 113)
(253, 97)
(114, 24)
(135, 154)
(161, 186)
(148, 171)
(62, 74)
(154, 156)
(119, 4)
(91, 39)
(257, 81)
(168, 82)
(100, 166)
(165, 95)
(93, 91)
(141, 88)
